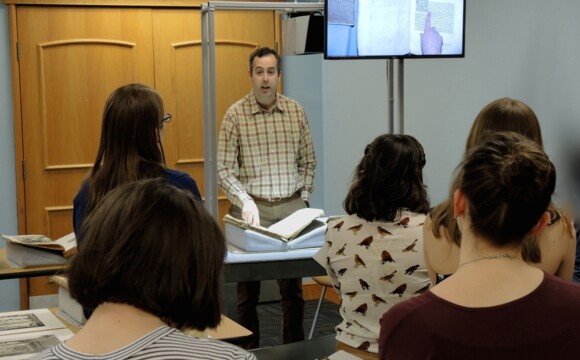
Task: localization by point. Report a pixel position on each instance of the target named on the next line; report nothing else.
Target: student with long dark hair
(130, 149)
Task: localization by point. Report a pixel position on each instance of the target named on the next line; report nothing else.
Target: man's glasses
(166, 118)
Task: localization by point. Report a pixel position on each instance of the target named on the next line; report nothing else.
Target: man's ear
(541, 224)
(459, 203)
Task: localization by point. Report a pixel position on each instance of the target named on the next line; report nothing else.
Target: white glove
(250, 213)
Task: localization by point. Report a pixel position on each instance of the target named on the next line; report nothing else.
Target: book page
(446, 18)
(25, 345)
(291, 225)
(15, 322)
(383, 27)
(285, 229)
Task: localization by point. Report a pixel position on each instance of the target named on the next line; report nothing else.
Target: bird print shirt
(373, 265)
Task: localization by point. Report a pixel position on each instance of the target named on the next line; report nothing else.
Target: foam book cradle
(308, 232)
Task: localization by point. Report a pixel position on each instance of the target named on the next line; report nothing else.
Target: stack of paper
(25, 333)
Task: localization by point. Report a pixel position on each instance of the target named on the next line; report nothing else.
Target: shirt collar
(256, 108)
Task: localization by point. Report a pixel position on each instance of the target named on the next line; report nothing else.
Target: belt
(276, 200)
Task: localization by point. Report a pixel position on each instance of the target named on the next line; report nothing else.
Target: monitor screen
(384, 29)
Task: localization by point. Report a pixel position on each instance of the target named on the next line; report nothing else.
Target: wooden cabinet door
(178, 76)
(72, 58)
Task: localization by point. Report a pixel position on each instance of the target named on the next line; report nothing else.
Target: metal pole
(401, 94)
(209, 83)
(209, 122)
(390, 97)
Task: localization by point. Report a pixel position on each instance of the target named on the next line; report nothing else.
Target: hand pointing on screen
(431, 40)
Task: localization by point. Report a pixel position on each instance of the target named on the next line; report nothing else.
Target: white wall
(9, 289)
(525, 49)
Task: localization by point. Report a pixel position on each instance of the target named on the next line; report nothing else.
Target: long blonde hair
(504, 114)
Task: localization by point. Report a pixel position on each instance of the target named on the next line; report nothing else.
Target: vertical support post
(209, 111)
(401, 94)
(390, 97)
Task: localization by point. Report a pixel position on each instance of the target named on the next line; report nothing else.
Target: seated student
(150, 265)
(551, 250)
(374, 256)
(133, 129)
(495, 305)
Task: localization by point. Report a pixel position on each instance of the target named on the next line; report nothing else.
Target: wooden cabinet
(67, 59)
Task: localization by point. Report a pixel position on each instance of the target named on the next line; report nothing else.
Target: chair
(324, 281)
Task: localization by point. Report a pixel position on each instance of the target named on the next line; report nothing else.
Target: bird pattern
(358, 261)
(376, 265)
(355, 229)
(366, 242)
(377, 300)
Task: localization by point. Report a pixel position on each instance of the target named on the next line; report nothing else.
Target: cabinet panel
(178, 75)
(71, 59)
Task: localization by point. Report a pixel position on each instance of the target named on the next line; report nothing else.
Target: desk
(317, 348)
(6, 272)
(228, 330)
(241, 266)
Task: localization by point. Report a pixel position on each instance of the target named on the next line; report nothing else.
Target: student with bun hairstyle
(551, 250)
(495, 305)
(160, 257)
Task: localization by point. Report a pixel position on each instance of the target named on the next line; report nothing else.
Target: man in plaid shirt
(266, 166)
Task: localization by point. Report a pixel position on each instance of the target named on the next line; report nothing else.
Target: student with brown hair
(552, 250)
(158, 271)
(130, 149)
(374, 256)
(495, 306)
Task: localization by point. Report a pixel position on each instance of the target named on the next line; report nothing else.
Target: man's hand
(250, 213)
(431, 40)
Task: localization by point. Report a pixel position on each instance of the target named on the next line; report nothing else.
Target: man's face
(265, 77)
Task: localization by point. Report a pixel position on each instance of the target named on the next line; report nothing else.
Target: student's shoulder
(202, 348)
(180, 179)
(410, 311)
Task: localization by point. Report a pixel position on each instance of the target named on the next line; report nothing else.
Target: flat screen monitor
(387, 29)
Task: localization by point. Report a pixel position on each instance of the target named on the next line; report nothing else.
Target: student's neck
(476, 249)
(112, 326)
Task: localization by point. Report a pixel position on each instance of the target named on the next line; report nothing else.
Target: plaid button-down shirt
(268, 154)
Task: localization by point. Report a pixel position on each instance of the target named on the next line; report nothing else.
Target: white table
(243, 266)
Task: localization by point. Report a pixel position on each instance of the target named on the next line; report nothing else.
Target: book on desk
(38, 250)
(302, 229)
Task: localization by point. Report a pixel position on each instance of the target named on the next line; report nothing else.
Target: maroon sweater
(544, 324)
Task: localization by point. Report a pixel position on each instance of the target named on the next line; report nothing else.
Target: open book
(394, 27)
(38, 250)
(285, 229)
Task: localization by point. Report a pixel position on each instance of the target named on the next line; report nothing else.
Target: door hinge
(24, 169)
(18, 51)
